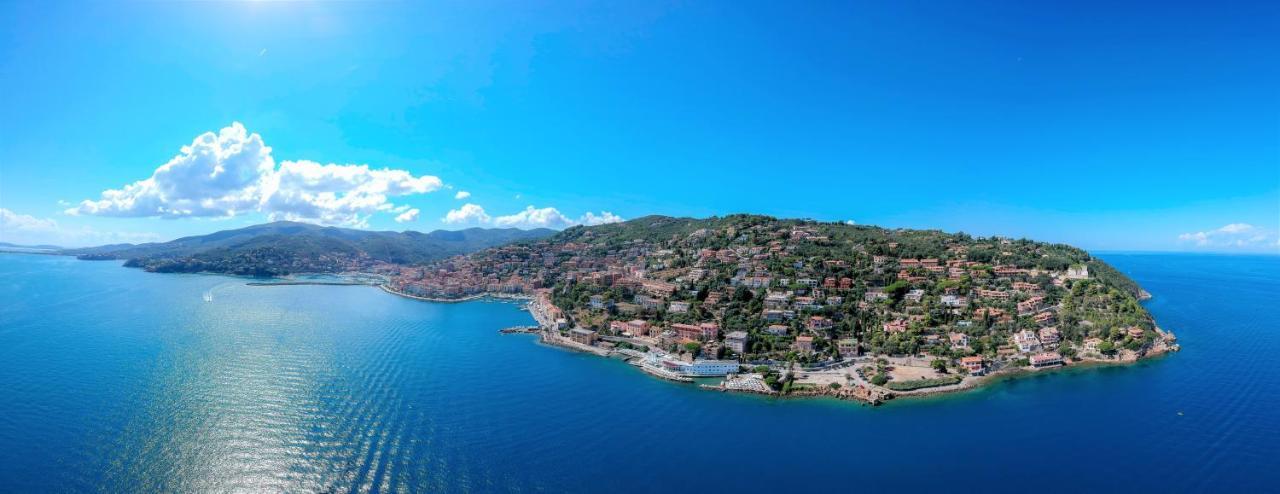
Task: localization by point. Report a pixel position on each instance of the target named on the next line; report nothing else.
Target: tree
(693, 348)
(939, 365)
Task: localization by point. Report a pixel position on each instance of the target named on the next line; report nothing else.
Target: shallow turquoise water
(120, 380)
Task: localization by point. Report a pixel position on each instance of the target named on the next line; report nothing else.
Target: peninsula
(804, 308)
(763, 305)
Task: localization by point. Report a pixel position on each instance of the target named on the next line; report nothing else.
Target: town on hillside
(803, 307)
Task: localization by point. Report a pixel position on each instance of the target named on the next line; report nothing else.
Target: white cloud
(530, 217)
(11, 221)
(550, 217)
(605, 217)
(1236, 228)
(535, 218)
(233, 172)
(850, 222)
(25, 229)
(468, 214)
(408, 216)
(462, 194)
(1233, 235)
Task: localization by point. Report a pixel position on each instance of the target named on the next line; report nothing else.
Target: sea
(118, 380)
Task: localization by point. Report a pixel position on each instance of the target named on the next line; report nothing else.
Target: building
(1049, 337)
(636, 326)
(598, 302)
(678, 307)
(804, 344)
(704, 368)
(819, 323)
(896, 326)
(583, 336)
(1030, 305)
(974, 365)
(777, 330)
(687, 331)
(647, 302)
(1026, 341)
(710, 330)
(848, 347)
(1078, 272)
(736, 341)
(562, 323)
(1046, 359)
(696, 368)
(959, 340)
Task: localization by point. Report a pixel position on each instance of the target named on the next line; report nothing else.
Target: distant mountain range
(286, 247)
(6, 246)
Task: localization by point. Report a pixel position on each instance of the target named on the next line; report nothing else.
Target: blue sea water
(118, 380)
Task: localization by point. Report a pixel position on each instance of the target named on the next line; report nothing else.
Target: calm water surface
(114, 380)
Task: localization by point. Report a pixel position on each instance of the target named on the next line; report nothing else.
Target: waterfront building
(973, 364)
(1046, 359)
(583, 336)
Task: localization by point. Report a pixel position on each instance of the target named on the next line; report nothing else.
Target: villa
(973, 364)
(1046, 359)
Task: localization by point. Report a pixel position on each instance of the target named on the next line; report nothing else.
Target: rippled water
(120, 380)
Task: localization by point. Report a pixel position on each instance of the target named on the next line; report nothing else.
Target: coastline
(468, 298)
(862, 392)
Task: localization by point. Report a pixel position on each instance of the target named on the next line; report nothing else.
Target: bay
(118, 380)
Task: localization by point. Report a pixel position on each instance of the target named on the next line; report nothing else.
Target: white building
(702, 368)
(1026, 341)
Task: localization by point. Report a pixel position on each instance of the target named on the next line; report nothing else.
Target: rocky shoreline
(868, 394)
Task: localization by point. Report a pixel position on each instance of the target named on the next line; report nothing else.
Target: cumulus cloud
(604, 217)
(530, 217)
(468, 214)
(407, 216)
(462, 194)
(232, 172)
(550, 217)
(29, 230)
(1233, 235)
(11, 221)
(850, 222)
(533, 217)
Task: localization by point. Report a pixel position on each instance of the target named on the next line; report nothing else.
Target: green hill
(288, 247)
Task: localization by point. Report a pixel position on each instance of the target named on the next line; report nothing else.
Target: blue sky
(1140, 127)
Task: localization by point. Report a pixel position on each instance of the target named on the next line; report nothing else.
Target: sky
(1110, 127)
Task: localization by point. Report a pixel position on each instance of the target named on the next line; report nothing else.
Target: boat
(208, 296)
